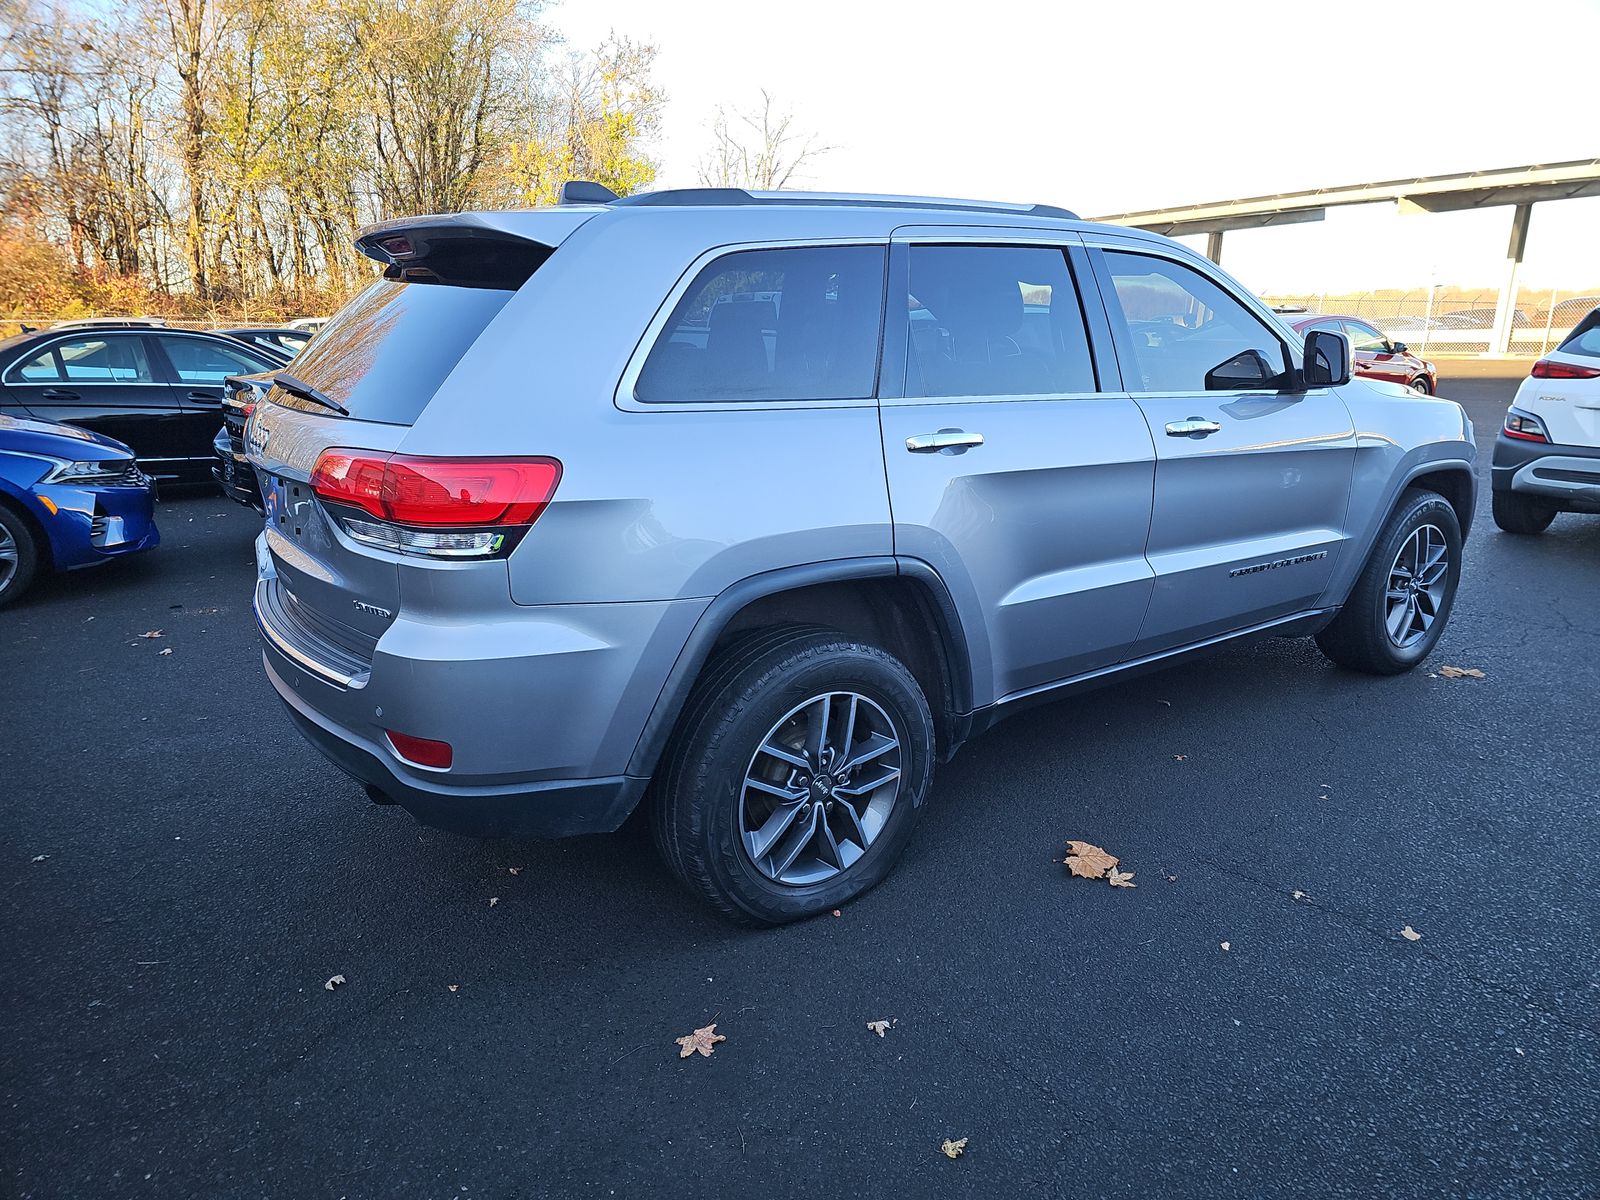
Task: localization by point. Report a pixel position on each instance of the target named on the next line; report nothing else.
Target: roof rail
(729, 196)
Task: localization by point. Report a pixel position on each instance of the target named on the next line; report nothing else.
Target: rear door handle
(953, 441)
(59, 394)
(1194, 427)
(213, 399)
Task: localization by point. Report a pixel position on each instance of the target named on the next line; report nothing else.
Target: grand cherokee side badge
(1277, 563)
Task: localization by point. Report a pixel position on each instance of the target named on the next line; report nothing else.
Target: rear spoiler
(491, 249)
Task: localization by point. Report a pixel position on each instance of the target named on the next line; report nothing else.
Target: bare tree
(760, 150)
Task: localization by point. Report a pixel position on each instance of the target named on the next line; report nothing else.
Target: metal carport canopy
(1428, 193)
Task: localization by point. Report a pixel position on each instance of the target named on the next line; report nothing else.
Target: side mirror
(1399, 348)
(1327, 359)
(1246, 370)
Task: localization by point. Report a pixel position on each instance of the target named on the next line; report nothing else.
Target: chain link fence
(1448, 321)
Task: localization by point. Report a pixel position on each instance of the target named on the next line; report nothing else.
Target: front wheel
(1401, 602)
(1421, 384)
(795, 777)
(19, 555)
(1516, 512)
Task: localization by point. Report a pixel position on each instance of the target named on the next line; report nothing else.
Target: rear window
(791, 324)
(385, 353)
(1584, 338)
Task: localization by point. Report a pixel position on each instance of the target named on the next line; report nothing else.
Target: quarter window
(783, 324)
(994, 321)
(1182, 325)
(88, 360)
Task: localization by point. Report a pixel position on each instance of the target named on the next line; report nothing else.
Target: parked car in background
(240, 395)
(1376, 356)
(284, 341)
(1547, 457)
(69, 498)
(158, 390)
(309, 324)
(765, 561)
(1481, 318)
(110, 323)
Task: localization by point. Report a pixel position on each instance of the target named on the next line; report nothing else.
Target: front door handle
(1194, 427)
(949, 441)
(211, 398)
(59, 394)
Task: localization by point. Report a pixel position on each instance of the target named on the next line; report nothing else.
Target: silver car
(753, 507)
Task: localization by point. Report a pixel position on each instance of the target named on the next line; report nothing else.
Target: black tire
(19, 534)
(1421, 384)
(1516, 512)
(748, 689)
(1358, 638)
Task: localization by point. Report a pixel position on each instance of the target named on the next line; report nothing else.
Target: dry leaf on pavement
(1227, 945)
(154, 633)
(515, 870)
(1462, 673)
(701, 1040)
(1120, 878)
(837, 913)
(40, 857)
(1088, 861)
(336, 981)
(879, 1027)
(454, 987)
(168, 650)
(493, 900)
(1410, 934)
(954, 1149)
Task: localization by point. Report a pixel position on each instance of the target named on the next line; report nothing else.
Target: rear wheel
(19, 555)
(795, 777)
(1401, 602)
(1516, 512)
(1421, 384)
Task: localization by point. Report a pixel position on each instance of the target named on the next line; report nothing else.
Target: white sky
(1110, 107)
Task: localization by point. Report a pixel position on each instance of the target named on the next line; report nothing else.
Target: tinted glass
(1365, 337)
(203, 361)
(1584, 338)
(104, 360)
(1181, 324)
(798, 324)
(386, 352)
(41, 368)
(994, 321)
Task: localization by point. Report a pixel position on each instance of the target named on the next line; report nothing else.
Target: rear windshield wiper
(295, 387)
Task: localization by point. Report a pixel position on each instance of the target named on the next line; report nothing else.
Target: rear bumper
(233, 472)
(549, 808)
(1569, 475)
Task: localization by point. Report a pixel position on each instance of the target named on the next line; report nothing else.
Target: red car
(1376, 356)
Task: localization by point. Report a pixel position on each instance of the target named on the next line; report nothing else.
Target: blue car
(69, 498)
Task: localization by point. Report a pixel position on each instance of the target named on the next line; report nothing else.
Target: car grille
(97, 529)
(131, 477)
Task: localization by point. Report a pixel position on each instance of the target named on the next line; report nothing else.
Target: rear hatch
(357, 390)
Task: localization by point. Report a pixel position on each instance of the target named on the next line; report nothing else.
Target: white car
(1547, 457)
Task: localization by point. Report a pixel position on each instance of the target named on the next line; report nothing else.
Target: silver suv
(753, 507)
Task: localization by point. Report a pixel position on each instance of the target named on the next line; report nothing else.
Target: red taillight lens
(447, 492)
(1524, 428)
(1545, 369)
(425, 752)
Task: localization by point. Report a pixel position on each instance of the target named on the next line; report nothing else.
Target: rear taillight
(1525, 427)
(424, 752)
(1547, 369)
(436, 507)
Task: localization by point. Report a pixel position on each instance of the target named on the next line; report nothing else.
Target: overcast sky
(1108, 107)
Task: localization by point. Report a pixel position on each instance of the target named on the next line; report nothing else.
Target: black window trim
(626, 398)
(897, 348)
(1123, 338)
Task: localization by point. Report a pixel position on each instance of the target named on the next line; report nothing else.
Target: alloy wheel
(819, 788)
(1417, 581)
(9, 555)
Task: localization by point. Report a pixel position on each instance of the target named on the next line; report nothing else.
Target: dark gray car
(754, 507)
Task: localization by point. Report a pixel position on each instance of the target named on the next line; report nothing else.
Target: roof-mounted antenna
(581, 191)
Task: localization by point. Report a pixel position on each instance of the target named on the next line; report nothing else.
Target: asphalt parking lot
(167, 1031)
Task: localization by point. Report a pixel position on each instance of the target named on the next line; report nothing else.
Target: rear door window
(203, 361)
(386, 352)
(800, 323)
(994, 321)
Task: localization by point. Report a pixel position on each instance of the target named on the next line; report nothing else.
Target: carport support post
(1214, 246)
(1505, 310)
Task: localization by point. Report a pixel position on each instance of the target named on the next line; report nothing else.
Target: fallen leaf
(1462, 673)
(1410, 934)
(154, 633)
(1299, 895)
(1227, 945)
(1180, 757)
(336, 981)
(454, 987)
(1088, 861)
(493, 900)
(168, 650)
(954, 1149)
(879, 1027)
(701, 1040)
(1168, 703)
(40, 857)
(515, 870)
(1120, 878)
(837, 913)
